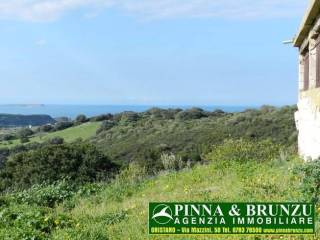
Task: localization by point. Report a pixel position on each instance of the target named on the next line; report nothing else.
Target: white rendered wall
(308, 124)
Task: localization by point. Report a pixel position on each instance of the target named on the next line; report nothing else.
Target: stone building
(308, 115)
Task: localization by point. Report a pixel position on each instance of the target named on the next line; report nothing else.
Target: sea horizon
(90, 110)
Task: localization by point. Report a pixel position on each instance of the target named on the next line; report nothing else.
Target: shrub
(81, 118)
(244, 150)
(217, 113)
(310, 176)
(171, 162)
(193, 113)
(46, 128)
(25, 132)
(24, 140)
(26, 222)
(90, 189)
(103, 117)
(134, 173)
(128, 117)
(191, 156)
(56, 140)
(45, 195)
(62, 119)
(81, 162)
(7, 137)
(127, 182)
(105, 126)
(62, 125)
(158, 113)
(149, 159)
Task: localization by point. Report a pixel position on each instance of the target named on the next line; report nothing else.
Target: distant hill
(13, 120)
(188, 133)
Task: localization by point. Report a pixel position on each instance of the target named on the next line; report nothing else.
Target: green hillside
(84, 131)
(214, 183)
(118, 210)
(191, 133)
(99, 189)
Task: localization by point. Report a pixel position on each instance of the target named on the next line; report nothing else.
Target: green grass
(84, 131)
(216, 182)
(119, 210)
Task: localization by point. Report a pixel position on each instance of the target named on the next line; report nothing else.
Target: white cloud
(47, 10)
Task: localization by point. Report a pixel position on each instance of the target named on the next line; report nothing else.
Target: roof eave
(307, 22)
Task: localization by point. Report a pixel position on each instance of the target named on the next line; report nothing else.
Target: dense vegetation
(117, 210)
(57, 189)
(191, 133)
(15, 120)
(79, 162)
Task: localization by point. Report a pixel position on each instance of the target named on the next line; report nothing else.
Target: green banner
(231, 218)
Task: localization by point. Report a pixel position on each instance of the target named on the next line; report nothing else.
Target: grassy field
(84, 131)
(120, 210)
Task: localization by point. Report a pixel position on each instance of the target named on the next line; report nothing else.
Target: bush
(7, 137)
(45, 195)
(80, 162)
(25, 132)
(217, 113)
(62, 125)
(103, 117)
(158, 113)
(62, 119)
(127, 182)
(105, 126)
(127, 117)
(24, 140)
(26, 222)
(310, 176)
(149, 159)
(81, 118)
(193, 113)
(244, 150)
(46, 128)
(172, 162)
(56, 140)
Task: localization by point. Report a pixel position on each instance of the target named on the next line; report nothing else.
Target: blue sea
(72, 111)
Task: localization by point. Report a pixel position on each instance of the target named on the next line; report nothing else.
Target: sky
(149, 52)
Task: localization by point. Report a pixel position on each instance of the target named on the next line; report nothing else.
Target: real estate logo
(162, 214)
(231, 218)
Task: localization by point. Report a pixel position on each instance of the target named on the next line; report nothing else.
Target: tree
(46, 128)
(81, 118)
(24, 133)
(62, 125)
(102, 117)
(62, 119)
(193, 113)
